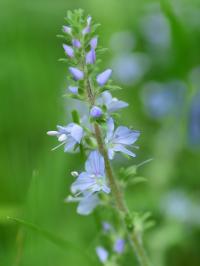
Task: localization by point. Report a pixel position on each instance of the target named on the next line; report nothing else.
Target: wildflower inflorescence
(98, 137)
(81, 49)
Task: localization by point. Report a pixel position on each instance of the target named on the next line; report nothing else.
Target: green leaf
(113, 87)
(75, 117)
(58, 241)
(137, 180)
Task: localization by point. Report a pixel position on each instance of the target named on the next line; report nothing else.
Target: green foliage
(31, 81)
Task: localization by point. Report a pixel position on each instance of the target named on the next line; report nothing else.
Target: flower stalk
(136, 243)
(96, 137)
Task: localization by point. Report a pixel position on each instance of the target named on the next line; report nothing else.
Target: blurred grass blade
(60, 242)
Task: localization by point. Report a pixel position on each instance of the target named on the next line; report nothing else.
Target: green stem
(115, 188)
(135, 241)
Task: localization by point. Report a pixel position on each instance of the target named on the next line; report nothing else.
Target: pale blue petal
(69, 145)
(95, 164)
(106, 189)
(110, 129)
(82, 183)
(116, 105)
(62, 130)
(107, 98)
(102, 254)
(68, 128)
(122, 149)
(124, 135)
(77, 133)
(111, 153)
(87, 204)
(104, 77)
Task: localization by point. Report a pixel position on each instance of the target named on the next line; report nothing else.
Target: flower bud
(67, 29)
(73, 90)
(89, 19)
(96, 112)
(87, 29)
(102, 254)
(76, 73)
(119, 245)
(91, 57)
(76, 43)
(68, 50)
(103, 77)
(93, 42)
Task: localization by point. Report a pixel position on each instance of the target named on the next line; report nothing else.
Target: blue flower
(69, 136)
(117, 140)
(68, 50)
(76, 73)
(194, 121)
(87, 29)
(107, 227)
(76, 43)
(119, 245)
(91, 57)
(73, 89)
(94, 42)
(96, 112)
(87, 202)
(112, 104)
(102, 254)
(103, 77)
(93, 179)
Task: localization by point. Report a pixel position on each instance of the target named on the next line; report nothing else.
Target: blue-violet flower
(69, 136)
(76, 73)
(117, 140)
(103, 77)
(68, 50)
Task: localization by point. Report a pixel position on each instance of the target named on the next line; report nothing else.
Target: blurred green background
(154, 52)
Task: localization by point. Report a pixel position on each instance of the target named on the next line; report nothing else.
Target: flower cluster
(86, 84)
(115, 245)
